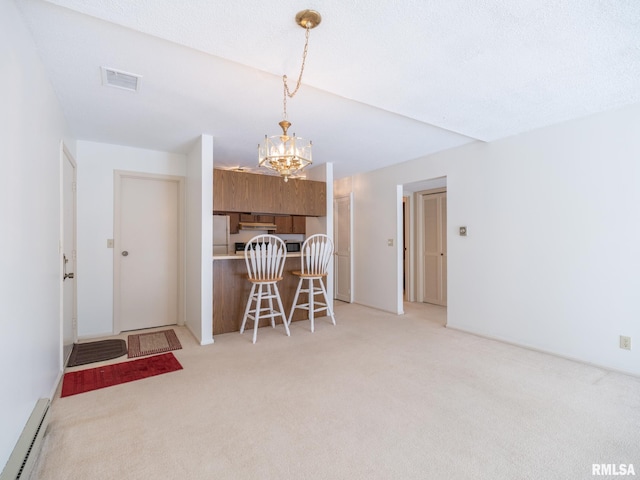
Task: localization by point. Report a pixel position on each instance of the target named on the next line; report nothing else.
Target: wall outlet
(625, 342)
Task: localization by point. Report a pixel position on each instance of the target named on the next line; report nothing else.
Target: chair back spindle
(265, 256)
(316, 255)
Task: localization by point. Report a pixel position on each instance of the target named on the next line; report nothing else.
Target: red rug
(101, 377)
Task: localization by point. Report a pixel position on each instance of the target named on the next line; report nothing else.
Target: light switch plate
(109, 242)
(625, 342)
(390, 242)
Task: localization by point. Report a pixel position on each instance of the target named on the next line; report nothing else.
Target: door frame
(408, 202)
(66, 155)
(419, 285)
(118, 176)
(349, 198)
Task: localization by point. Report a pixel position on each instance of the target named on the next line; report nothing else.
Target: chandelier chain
(287, 92)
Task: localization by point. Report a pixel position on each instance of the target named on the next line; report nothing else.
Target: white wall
(199, 274)
(95, 177)
(323, 173)
(551, 260)
(31, 129)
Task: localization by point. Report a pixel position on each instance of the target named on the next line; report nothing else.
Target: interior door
(434, 209)
(147, 251)
(342, 240)
(69, 302)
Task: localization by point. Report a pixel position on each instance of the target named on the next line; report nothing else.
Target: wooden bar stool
(265, 256)
(317, 252)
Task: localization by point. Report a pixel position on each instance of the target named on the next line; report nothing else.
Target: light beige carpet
(378, 396)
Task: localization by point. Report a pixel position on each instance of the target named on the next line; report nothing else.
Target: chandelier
(285, 154)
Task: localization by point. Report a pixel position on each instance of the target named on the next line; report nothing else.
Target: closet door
(342, 237)
(434, 208)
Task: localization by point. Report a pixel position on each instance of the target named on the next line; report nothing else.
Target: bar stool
(265, 256)
(317, 252)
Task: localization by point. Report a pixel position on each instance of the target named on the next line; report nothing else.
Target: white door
(147, 251)
(434, 210)
(69, 322)
(342, 237)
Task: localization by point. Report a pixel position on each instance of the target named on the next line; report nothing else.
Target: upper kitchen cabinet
(234, 222)
(249, 192)
(290, 224)
(230, 191)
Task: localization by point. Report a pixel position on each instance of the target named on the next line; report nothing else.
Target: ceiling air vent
(120, 79)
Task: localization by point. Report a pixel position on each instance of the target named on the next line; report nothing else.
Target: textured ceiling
(386, 81)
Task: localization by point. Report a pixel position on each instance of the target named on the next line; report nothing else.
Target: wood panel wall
(231, 291)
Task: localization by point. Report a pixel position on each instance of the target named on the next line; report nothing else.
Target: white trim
(409, 240)
(56, 384)
(349, 197)
(399, 254)
(65, 154)
(541, 350)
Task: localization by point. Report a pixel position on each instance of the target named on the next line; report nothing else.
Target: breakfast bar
(248, 204)
(232, 291)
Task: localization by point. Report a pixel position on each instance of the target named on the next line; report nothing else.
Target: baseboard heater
(26, 451)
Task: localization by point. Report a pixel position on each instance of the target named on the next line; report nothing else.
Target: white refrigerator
(220, 234)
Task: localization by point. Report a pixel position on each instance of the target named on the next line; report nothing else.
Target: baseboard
(27, 448)
(541, 350)
(204, 341)
(57, 383)
(393, 312)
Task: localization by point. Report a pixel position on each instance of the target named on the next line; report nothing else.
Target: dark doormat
(100, 351)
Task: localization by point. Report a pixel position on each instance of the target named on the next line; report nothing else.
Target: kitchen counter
(240, 256)
(231, 291)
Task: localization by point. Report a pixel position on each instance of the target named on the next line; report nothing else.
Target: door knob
(125, 253)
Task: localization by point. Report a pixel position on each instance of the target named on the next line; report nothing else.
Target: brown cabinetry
(265, 218)
(232, 192)
(234, 222)
(249, 192)
(291, 224)
(284, 223)
(252, 218)
(298, 224)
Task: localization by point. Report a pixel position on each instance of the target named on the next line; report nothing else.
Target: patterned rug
(151, 343)
(92, 352)
(108, 375)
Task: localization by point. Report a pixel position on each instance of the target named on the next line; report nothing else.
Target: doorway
(417, 281)
(148, 251)
(434, 247)
(342, 235)
(68, 242)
